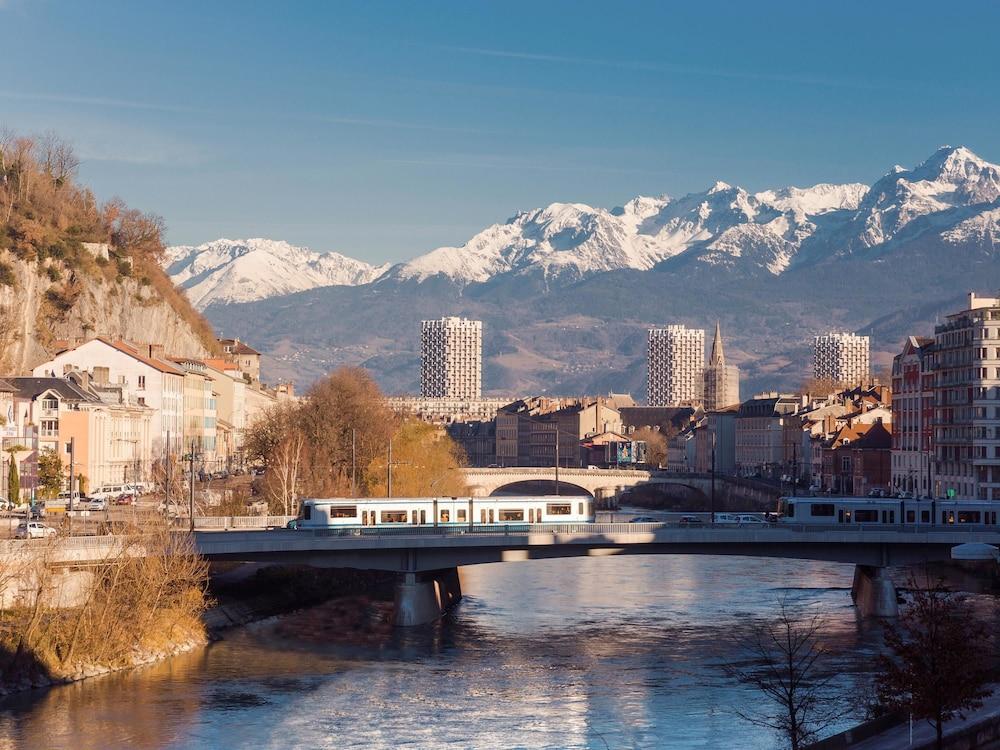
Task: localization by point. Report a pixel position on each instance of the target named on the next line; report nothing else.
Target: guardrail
(228, 523)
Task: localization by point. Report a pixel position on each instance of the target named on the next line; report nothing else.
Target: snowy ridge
(227, 271)
(953, 194)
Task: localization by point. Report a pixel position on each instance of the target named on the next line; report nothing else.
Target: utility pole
(388, 472)
(354, 463)
(557, 457)
(712, 497)
(72, 481)
(166, 469)
(191, 488)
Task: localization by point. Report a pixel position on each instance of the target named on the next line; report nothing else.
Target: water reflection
(620, 652)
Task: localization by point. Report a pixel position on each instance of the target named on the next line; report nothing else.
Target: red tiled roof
(131, 351)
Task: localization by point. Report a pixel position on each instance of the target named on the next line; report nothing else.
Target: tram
(444, 511)
(837, 511)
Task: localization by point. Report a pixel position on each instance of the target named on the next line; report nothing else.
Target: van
(727, 518)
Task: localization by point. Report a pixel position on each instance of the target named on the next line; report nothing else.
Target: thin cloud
(502, 162)
(97, 101)
(671, 68)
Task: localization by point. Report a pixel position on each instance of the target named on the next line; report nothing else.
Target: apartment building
(675, 366)
(245, 357)
(842, 358)
(761, 438)
(200, 410)
(912, 416)
(451, 358)
(148, 376)
(966, 423)
(542, 431)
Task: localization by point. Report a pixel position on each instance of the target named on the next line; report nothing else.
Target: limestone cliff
(37, 314)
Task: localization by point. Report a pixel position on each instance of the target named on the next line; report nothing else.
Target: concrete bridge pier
(606, 498)
(873, 592)
(421, 598)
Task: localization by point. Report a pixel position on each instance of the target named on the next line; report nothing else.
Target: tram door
(423, 516)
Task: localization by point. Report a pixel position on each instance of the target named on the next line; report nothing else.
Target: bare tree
(787, 667)
(286, 464)
(935, 669)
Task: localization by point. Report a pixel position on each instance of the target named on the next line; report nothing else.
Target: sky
(383, 130)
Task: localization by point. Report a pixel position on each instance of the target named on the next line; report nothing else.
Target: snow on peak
(224, 270)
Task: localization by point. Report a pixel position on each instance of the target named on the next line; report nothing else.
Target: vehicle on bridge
(898, 511)
(444, 511)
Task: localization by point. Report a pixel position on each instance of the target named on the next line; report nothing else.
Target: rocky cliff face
(37, 313)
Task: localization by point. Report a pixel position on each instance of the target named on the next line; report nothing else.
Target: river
(614, 652)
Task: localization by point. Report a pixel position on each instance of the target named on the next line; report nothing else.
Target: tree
(656, 445)
(787, 668)
(425, 463)
(50, 473)
(935, 668)
(13, 480)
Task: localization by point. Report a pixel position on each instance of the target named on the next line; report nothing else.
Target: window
(50, 403)
(460, 514)
(507, 514)
(558, 509)
(581, 509)
(821, 509)
(393, 516)
(343, 511)
(142, 382)
(968, 516)
(865, 516)
(307, 512)
(790, 510)
(50, 427)
(911, 516)
(445, 516)
(142, 401)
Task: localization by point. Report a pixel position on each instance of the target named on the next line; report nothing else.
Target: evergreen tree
(13, 481)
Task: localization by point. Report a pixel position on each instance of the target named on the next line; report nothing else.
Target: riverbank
(353, 602)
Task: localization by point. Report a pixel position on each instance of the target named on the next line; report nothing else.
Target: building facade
(761, 445)
(245, 357)
(722, 381)
(149, 377)
(675, 366)
(451, 358)
(966, 367)
(448, 410)
(842, 358)
(912, 415)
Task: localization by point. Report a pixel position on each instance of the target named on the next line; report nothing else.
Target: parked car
(33, 530)
(691, 521)
(96, 503)
(125, 499)
(643, 519)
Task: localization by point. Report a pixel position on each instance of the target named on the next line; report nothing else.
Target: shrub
(53, 273)
(7, 277)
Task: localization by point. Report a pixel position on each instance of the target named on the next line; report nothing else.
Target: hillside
(567, 292)
(71, 268)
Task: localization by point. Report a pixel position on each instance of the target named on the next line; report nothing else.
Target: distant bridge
(605, 484)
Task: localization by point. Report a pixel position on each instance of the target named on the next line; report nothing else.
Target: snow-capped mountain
(725, 230)
(226, 271)
(576, 240)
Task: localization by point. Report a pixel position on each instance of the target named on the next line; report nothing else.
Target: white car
(33, 530)
(97, 503)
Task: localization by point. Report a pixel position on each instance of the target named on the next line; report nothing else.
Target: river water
(614, 652)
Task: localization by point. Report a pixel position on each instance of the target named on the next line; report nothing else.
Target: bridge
(608, 484)
(427, 557)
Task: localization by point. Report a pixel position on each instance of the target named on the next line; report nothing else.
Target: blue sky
(382, 130)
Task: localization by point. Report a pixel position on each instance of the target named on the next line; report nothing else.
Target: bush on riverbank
(58, 624)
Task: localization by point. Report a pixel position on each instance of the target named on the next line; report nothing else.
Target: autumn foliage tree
(336, 444)
(656, 445)
(935, 668)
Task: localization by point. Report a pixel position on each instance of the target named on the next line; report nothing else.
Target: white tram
(443, 511)
(854, 510)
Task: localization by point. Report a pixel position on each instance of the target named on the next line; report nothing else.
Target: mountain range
(566, 292)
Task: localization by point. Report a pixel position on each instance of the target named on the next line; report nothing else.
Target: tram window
(393, 516)
(531, 515)
(925, 516)
(343, 511)
(307, 512)
(581, 509)
(948, 516)
(821, 509)
(865, 516)
(590, 508)
(445, 516)
(968, 516)
(911, 516)
(790, 510)
(491, 515)
(840, 516)
(883, 517)
(558, 509)
(423, 516)
(482, 515)
(364, 518)
(506, 514)
(892, 516)
(460, 514)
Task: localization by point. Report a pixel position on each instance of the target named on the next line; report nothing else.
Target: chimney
(156, 351)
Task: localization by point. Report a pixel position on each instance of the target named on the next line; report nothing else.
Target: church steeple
(718, 356)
